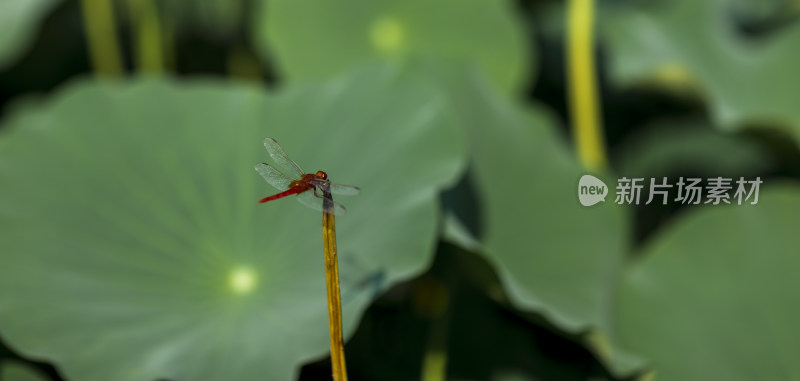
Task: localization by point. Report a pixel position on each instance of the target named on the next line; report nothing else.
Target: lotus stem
(101, 32)
(334, 297)
(148, 35)
(582, 86)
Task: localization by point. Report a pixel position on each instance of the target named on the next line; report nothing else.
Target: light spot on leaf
(387, 35)
(242, 280)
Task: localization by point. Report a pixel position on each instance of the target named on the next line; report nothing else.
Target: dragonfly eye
(322, 175)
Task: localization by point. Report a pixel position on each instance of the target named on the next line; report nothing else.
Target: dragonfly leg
(317, 194)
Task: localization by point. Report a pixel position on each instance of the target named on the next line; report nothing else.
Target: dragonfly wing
(309, 199)
(273, 176)
(280, 157)
(344, 190)
(337, 189)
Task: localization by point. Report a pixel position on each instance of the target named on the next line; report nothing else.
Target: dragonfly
(308, 188)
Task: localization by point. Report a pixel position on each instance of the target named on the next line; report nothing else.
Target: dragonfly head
(321, 175)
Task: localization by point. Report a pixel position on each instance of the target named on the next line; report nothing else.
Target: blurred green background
(132, 246)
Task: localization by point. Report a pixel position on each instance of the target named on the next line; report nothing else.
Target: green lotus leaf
(694, 44)
(133, 246)
(512, 348)
(668, 147)
(312, 38)
(554, 256)
(754, 13)
(18, 24)
(14, 371)
(715, 295)
(557, 257)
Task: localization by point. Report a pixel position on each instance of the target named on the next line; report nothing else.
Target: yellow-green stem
(168, 43)
(434, 365)
(148, 33)
(432, 296)
(334, 298)
(582, 86)
(101, 37)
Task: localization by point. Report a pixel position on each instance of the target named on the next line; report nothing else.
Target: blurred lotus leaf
(697, 44)
(19, 21)
(14, 371)
(670, 147)
(713, 297)
(554, 256)
(314, 38)
(755, 14)
(132, 237)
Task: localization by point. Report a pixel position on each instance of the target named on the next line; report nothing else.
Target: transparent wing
(344, 190)
(280, 157)
(309, 199)
(273, 176)
(337, 189)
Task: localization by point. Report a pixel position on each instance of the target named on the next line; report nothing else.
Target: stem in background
(101, 32)
(168, 43)
(582, 85)
(332, 285)
(434, 365)
(148, 33)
